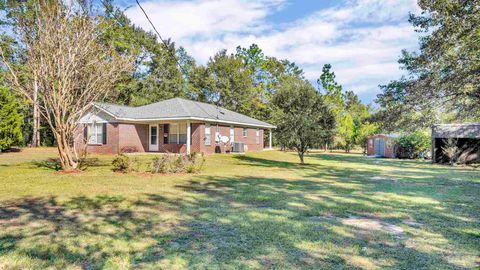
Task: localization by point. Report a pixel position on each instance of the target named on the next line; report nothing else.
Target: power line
(160, 37)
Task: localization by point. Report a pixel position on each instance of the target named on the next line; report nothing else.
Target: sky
(361, 39)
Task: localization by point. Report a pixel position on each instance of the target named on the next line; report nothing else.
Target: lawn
(254, 211)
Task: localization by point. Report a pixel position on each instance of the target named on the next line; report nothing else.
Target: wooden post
(270, 139)
(189, 139)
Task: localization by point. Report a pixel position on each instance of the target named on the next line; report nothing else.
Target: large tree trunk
(36, 116)
(65, 152)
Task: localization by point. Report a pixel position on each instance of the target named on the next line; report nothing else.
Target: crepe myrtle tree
(303, 119)
(72, 63)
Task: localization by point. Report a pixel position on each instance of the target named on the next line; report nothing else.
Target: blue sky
(362, 39)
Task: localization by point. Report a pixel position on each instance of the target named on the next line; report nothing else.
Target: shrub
(194, 163)
(451, 150)
(124, 164)
(160, 164)
(191, 163)
(413, 145)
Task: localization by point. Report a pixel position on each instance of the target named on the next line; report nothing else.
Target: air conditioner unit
(238, 147)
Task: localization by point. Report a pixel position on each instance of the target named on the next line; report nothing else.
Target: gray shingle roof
(178, 108)
(466, 130)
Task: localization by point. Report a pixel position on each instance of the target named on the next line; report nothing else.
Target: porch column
(189, 139)
(270, 138)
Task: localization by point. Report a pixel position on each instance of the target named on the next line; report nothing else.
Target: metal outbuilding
(466, 136)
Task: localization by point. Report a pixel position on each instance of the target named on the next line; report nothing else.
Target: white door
(153, 138)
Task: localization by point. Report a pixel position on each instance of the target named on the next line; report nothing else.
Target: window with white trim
(232, 134)
(257, 138)
(208, 137)
(245, 132)
(95, 133)
(178, 134)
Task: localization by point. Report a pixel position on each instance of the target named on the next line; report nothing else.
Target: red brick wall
(133, 137)
(112, 146)
(249, 141)
(389, 146)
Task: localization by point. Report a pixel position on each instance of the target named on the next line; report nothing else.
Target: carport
(466, 136)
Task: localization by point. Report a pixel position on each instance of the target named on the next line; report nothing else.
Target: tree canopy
(442, 84)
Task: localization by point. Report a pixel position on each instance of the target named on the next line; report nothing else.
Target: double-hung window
(208, 137)
(257, 138)
(245, 132)
(232, 134)
(178, 133)
(95, 133)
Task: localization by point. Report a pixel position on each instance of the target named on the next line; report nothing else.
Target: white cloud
(362, 39)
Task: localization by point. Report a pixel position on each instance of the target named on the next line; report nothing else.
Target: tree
(346, 129)
(156, 74)
(443, 75)
(73, 65)
(302, 117)
(10, 119)
(226, 82)
(21, 12)
(362, 132)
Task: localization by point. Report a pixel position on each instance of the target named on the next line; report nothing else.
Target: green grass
(253, 211)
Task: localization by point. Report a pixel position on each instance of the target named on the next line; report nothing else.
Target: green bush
(124, 164)
(168, 163)
(413, 145)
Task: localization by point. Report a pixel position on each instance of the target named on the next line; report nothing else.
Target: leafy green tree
(346, 131)
(157, 74)
(443, 75)
(11, 119)
(225, 82)
(362, 132)
(302, 117)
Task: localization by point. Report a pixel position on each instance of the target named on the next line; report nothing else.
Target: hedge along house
(465, 136)
(175, 125)
(382, 145)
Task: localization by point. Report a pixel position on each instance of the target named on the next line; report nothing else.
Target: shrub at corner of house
(168, 163)
(123, 163)
(413, 145)
(194, 162)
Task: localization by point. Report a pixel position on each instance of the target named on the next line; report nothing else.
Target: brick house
(175, 125)
(382, 145)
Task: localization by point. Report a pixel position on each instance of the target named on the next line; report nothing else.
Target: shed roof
(465, 130)
(178, 109)
(392, 135)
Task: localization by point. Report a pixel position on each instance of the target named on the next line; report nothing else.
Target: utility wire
(160, 37)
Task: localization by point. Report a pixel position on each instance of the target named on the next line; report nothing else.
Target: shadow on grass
(54, 163)
(235, 222)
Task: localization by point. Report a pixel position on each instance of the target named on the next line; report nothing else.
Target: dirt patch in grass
(373, 225)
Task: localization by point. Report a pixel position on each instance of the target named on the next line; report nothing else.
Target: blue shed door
(380, 147)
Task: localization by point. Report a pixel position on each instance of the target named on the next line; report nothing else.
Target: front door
(153, 138)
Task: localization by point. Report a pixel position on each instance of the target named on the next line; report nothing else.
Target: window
(182, 133)
(95, 133)
(245, 132)
(153, 135)
(208, 137)
(178, 134)
(257, 139)
(232, 134)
